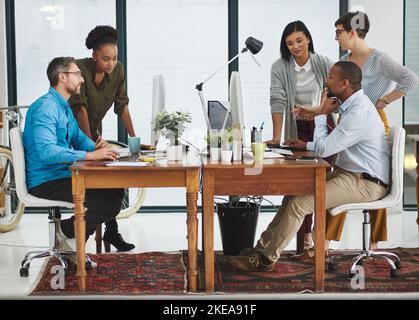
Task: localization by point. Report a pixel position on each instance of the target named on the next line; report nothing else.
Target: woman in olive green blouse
(104, 86)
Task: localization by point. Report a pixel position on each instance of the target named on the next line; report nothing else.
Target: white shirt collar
(306, 67)
(345, 105)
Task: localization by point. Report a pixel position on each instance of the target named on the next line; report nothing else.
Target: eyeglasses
(339, 31)
(77, 73)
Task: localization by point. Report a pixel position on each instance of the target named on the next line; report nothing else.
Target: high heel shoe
(117, 241)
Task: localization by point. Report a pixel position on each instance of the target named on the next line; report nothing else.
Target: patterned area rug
(294, 276)
(158, 273)
(155, 273)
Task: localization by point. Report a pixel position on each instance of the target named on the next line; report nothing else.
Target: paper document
(127, 164)
(272, 155)
(267, 155)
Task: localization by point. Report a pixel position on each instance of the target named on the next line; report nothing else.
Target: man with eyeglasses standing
(53, 140)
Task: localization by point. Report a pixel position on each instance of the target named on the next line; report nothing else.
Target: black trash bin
(238, 226)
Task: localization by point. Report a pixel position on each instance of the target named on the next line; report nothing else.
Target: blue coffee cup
(134, 144)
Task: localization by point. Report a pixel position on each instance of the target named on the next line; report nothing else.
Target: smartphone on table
(307, 159)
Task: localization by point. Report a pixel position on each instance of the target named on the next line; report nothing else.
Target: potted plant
(219, 141)
(214, 142)
(174, 124)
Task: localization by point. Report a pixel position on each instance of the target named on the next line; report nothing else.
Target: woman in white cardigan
(297, 78)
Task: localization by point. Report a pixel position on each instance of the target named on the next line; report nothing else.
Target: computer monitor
(226, 115)
(217, 111)
(236, 102)
(158, 103)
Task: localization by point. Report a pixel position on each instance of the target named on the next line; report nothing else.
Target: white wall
(386, 34)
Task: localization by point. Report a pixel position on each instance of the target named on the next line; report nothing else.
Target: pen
(261, 127)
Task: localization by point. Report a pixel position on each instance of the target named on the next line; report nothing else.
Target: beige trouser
(341, 187)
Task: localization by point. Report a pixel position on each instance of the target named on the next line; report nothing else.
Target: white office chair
(393, 198)
(32, 201)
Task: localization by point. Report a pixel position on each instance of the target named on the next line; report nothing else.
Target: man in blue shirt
(53, 140)
(361, 173)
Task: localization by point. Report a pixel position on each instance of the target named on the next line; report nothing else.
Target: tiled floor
(167, 232)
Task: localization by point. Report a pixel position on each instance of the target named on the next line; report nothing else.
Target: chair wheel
(332, 266)
(394, 273)
(24, 272)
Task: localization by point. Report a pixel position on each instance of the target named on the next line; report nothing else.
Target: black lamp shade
(253, 45)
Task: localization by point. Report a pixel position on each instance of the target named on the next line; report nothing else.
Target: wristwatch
(385, 100)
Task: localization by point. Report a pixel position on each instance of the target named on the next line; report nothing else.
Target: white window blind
(48, 29)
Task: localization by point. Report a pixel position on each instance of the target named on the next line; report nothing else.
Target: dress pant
(102, 204)
(341, 187)
(305, 130)
(378, 220)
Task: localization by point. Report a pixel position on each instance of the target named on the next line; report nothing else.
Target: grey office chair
(32, 201)
(393, 198)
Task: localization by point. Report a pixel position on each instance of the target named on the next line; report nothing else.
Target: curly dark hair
(101, 35)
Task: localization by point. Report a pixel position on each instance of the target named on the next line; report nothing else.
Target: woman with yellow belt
(379, 72)
(104, 86)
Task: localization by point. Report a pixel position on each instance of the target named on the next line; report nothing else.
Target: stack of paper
(127, 164)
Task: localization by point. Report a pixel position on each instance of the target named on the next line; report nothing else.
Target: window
(265, 20)
(185, 41)
(49, 29)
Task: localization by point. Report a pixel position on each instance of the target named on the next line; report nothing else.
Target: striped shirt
(380, 71)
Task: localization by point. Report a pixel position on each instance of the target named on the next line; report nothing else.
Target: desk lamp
(254, 46)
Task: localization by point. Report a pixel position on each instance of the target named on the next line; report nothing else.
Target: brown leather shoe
(250, 251)
(251, 263)
(308, 254)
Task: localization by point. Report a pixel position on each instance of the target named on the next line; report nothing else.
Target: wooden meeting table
(273, 177)
(96, 175)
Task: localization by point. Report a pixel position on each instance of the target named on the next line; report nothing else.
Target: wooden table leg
(192, 186)
(417, 180)
(80, 228)
(208, 235)
(320, 228)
